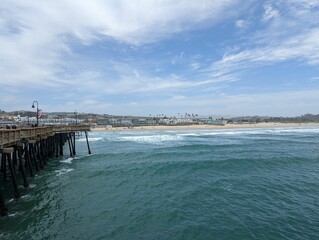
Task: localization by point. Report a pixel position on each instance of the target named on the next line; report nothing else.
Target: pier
(26, 150)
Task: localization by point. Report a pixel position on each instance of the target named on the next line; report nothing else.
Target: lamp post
(37, 111)
(76, 117)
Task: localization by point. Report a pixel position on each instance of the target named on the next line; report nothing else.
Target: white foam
(10, 200)
(25, 196)
(251, 131)
(63, 171)
(13, 214)
(151, 138)
(69, 160)
(91, 139)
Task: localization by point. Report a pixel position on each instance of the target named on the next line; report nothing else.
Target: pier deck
(10, 137)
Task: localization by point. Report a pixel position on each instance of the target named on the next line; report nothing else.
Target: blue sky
(142, 57)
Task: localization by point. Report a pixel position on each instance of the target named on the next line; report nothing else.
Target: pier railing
(10, 137)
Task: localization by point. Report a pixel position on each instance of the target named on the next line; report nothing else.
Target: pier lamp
(37, 111)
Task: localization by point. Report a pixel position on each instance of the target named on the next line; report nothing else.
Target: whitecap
(10, 200)
(151, 139)
(91, 139)
(69, 160)
(288, 130)
(13, 214)
(25, 196)
(63, 171)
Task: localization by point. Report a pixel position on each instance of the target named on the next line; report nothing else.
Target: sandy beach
(190, 127)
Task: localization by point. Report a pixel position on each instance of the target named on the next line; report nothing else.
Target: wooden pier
(27, 150)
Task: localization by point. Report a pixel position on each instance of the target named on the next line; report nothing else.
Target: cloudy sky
(141, 57)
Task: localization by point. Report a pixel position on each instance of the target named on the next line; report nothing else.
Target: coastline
(203, 127)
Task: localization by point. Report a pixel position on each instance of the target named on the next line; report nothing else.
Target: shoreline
(204, 127)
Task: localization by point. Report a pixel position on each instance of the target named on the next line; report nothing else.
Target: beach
(203, 126)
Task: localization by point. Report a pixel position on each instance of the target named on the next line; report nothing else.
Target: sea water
(190, 184)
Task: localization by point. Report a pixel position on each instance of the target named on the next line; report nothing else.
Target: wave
(250, 131)
(91, 139)
(63, 171)
(68, 160)
(149, 137)
(152, 138)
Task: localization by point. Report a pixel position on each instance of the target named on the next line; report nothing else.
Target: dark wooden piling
(61, 144)
(33, 154)
(74, 152)
(4, 163)
(87, 142)
(3, 207)
(69, 143)
(8, 153)
(28, 158)
(3, 166)
(56, 145)
(19, 149)
(72, 142)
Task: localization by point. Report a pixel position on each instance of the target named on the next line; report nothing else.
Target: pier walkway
(26, 150)
(10, 137)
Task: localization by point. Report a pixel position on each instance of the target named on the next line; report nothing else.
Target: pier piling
(3, 208)
(21, 166)
(70, 147)
(8, 152)
(28, 158)
(87, 142)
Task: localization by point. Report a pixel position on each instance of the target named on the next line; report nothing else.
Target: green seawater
(200, 184)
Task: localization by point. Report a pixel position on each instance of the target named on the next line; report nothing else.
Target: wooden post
(33, 154)
(27, 158)
(4, 166)
(69, 142)
(38, 154)
(61, 144)
(87, 142)
(14, 159)
(56, 144)
(19, 149)
(3, 208)
(74, 152)
(2, 163)
(46, 150)
(8, 152)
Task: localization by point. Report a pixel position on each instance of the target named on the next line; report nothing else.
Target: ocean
(189, 184)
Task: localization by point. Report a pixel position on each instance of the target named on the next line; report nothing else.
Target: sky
(150, 57)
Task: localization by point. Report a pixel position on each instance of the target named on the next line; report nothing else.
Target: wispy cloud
(241, 23)
(270, 12)
(36, 36)
(273, 44)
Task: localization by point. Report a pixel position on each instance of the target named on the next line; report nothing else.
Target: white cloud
(195, 65)
(270, 12)
(293, 36)
(241, 23)
(35, 35)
